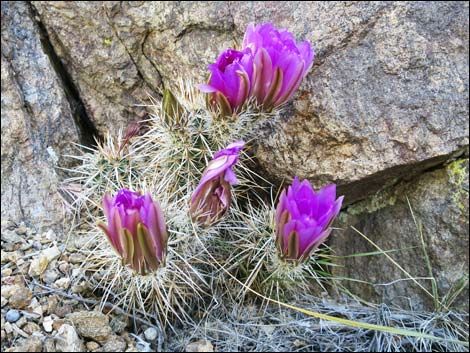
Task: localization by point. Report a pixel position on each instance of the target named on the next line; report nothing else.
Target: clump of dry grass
(234, 327)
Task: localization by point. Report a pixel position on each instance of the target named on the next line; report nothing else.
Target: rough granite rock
(387, 95)
(439, 200)
(37, 124)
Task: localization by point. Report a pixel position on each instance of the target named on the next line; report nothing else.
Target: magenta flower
(279, 63)
(303, 219)
(136, 230)
(212, 197)
(269, 68)
(229, 83)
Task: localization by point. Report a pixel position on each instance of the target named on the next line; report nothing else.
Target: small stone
(49, 345)
(9, 256)
(50, 276)
(67, 340)
(47, 323)
(21, 230)
(11, 237)
(12, 315)
(119, 324)
(49, 235)
(114, 344)
(91, 324)
(6, 272)
(11, 225)
(4, 301)
(30, 328)
(31, 344)
(62, 283)
(38, 265)
(79, 288)
(37, 245)
(51, 253)
(64, 267)
(92, 346)
(51, 304)
(57, 324)
(21, 298)
(8, 328)
(21, 322)
(150, 334)
(200, 346)
(63, 310)
(76, 258)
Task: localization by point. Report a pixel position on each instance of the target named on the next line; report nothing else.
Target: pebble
(7, 272)
(119, 324)
(21, 230)
(9, 256)
(47, 323)
(91, 324)
(20, 298)
(52, 253)
(30, 328)
(50, 276)
(91, 346)
(67, 340)
(76, 258)
(200, 346)
(150, 334)
(12, 315)
(63, 282)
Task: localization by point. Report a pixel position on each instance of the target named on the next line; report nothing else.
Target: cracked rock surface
(37, 123)
(386, 97)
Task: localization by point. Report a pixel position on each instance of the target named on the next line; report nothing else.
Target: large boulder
(37, 123)
(387, 95)
(439, 202)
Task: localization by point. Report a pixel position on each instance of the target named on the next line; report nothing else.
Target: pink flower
(136, 230)
(212, 197)
(270, 68)
(303, 219)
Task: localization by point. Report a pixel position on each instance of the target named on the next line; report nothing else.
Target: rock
(50, 276)
(150, 334)
(91, 324)
(4, 301)
(49, 345)
(20, 298)
(200, 346)
(6, 272)
(92, 346)
(76, 258)
(10, 236)
(439, 200)
(63, 283)
(30, 328)
(108, 78)
(38, 265)
(67, 340)
(31, 344)
(63, 310)
(51, 253)
(21, 230)
(114, 344)
(393, 122)
(47, 323)
(37, 123)
(12, 315)
(9, 256)
(119, 323)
